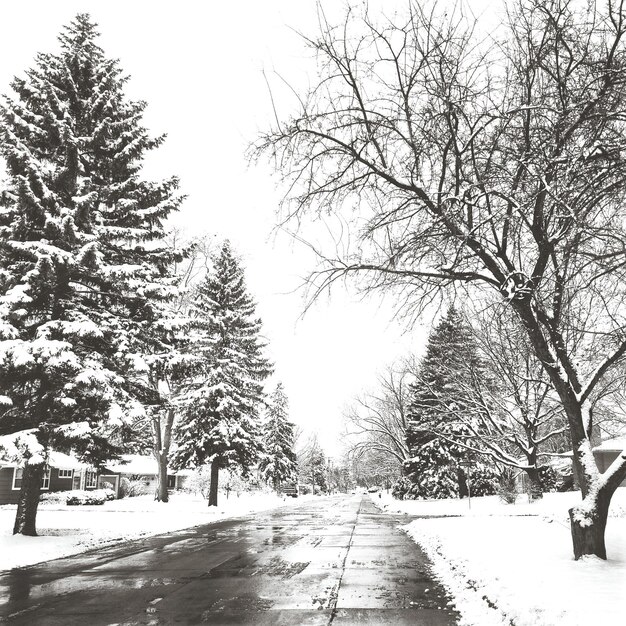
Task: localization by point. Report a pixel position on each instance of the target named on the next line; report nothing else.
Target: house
(607, 451)
(604, 453)
(137, 467)
(63, 472)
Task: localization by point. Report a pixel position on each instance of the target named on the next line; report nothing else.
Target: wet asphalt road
(331, 560)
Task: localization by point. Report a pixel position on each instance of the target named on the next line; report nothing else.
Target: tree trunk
(215, 471)
(461, 480)
(588, 524)
(535, 492)
(28, 500)
(162, 494)
(161, 449)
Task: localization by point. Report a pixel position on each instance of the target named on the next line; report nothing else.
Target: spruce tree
(82, 261)
(278, 461)
(440, 464)
(220, 422)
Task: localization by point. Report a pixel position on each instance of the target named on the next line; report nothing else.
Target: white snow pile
(513, 564)
(64, 530)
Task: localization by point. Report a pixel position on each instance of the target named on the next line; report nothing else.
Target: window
(90, 480)
(66, 473)
(18, 473)
(45, 481)
(171, 482)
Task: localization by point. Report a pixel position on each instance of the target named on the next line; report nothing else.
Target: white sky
(199, 66)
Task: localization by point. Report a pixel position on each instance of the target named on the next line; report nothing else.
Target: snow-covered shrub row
(77, 496)
(53, 497)
(97, 496)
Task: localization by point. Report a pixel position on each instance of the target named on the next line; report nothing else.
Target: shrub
(483, 480)
(97, 496)
(53, 497)
(132, 488)
(199, 481)
(506, 486)
(548, 479)
(76, 497)
(401, 488)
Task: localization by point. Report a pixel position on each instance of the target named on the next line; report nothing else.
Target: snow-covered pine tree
(437, 467)
(278, 460)
(81, 257)
(220, 422)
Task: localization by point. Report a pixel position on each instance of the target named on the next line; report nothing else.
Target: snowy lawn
(65, 530)
(513, 564)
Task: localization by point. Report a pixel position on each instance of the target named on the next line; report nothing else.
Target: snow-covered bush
(131, 488)
(548, 479)
(97, 496)
(77, 496)
(199, 481)
(232, 482)
(401, 487)
(483, 480)
(53, 497)
(507, 489)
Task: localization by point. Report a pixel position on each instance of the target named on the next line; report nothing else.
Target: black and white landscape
(313, 312)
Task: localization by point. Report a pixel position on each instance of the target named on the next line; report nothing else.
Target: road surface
(333, 560)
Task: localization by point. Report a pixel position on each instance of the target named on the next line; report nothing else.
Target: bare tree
(312, 463)
(377, 421)
(495, 164)
(373, 468)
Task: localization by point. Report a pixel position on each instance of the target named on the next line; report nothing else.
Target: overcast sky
(200, 65)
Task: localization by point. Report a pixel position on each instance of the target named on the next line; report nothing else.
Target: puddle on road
(244, 603)
(284, 569)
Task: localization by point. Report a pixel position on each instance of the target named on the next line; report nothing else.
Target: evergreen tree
(220, 421)
(82, 261)
(440, 465)
(278, 462)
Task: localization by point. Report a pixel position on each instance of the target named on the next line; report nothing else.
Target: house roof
(134, 464)
(137, 464)
(55, 459)
(616, 444)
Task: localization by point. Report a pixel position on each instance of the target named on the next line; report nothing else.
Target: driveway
(333, 560)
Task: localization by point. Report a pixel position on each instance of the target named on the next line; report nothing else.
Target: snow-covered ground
(513, 564)
(65, 530)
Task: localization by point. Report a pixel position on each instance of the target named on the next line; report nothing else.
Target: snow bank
(65, 530)
(513, 564)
